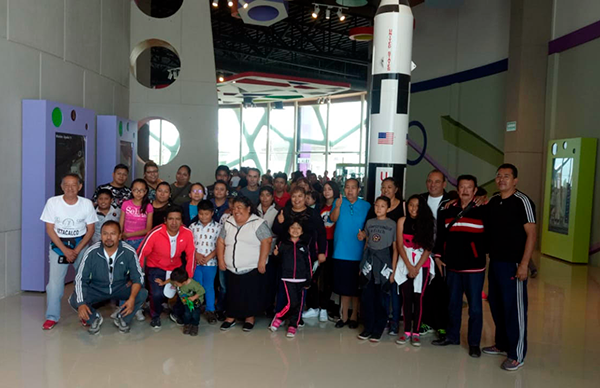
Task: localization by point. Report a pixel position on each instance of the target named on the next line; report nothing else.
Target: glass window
(254, 143)
(344, 127)
(158, 140)
(312, 128)
(281, 140)
(229, 137)
(314, 162)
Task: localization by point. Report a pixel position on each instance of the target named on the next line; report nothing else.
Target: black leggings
(413, 302)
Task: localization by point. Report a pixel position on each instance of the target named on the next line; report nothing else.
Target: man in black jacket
(105, 273)
(460, 248)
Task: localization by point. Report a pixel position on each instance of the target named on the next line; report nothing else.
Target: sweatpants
(413, 303)
(92, 297)
(435, 303)
(205, 275)
(291, 296)
(470, 284)
(508, 303)
(157, 297)
(375, 313)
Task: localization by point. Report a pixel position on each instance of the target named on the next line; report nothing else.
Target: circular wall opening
(159, 8)
(158, 140)
(155, 64)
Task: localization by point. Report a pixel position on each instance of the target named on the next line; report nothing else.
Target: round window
(159, 8)
(155, 63)
(158, 140)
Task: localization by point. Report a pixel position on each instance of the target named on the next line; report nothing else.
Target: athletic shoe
(211, 317)
(49, 324)
(474, 351)
(95, 326)
(425, 330)
(227, 325)
(275, 324)
(139, 315)
(310, 313)
(403, 339)
(415, 341)
(365, 335)
(186, 329)
(155, 323)
(375, 338)
(194, 331)
(494, 351)
(301, 323)
(511, 365)
(121, 324)
(323, 316)
(443, 342)
(393, 332)
(291, 332)
(178, 321)
(248, 326)
(116, 312)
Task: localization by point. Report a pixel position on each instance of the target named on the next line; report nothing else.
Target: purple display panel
(116, 143)
(57, 138)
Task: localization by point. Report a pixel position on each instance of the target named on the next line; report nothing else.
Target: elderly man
(70, 223)
(109, 270)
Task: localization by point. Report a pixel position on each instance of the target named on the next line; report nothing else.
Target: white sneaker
(310, 313)
(139, 315)
(323, 315)
(116, 312)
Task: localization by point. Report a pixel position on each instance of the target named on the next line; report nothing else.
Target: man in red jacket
(166, 247)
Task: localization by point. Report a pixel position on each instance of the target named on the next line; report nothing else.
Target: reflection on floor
(564, 334)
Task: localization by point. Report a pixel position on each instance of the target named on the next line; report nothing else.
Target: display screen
(70, 159)
(560, 195)
(126, 158)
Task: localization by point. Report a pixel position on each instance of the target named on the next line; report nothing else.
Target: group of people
(239, 249)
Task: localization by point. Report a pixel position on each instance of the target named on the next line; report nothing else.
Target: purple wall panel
(110, 132)
(38, 177)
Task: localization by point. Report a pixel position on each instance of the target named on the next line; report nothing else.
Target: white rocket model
(390, 95)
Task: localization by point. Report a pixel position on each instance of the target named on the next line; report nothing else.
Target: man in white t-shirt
(70, 223)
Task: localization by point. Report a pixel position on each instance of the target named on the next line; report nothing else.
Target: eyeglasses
(197, 191)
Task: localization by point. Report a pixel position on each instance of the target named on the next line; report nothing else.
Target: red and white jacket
(155, 250)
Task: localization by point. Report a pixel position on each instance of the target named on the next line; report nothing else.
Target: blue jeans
(55, 288)
(396, 301)
(205, 275)
(135, 244)
(471, 284)
(156, 295)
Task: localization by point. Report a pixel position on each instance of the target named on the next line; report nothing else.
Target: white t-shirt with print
(173, 241)
(69, 220)
(205, 239)
(434, 204)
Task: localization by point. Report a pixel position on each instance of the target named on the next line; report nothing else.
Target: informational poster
(560, 195)
(126, 157)
(69, 159)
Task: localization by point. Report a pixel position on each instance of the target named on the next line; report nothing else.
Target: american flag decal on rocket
(385, 138)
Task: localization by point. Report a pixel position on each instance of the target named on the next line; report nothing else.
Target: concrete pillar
(530, 29)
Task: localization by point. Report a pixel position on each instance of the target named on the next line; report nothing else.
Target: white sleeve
(91, 216)
(48, 214)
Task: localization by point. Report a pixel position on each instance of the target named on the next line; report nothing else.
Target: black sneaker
(474, 351)
(178, 321)
(339, 324)
(375, 338)
(365, 335)
(248, 326)
(301, 323)
(155, 323)
(227, 325)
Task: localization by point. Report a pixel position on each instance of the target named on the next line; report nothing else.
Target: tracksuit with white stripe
(462, 248)
(97, 281)
(508, 295)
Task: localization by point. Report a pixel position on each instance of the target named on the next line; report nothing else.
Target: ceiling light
(215, 3)
(315, 13)
(328, 13)
(230, 3)
(245, 5)
(221, 78)
(341, 15)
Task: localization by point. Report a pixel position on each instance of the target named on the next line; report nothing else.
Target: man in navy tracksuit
(511, 234)
(104, 273)
(460, 248)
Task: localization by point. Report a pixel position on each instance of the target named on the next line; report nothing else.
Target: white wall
(448, 41)
(71, 51)
(190, 103)
(571, 15)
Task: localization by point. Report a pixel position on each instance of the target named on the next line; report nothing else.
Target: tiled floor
(564, 339)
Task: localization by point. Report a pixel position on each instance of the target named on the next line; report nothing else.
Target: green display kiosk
(568, 198)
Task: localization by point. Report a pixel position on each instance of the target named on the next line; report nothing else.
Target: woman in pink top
(136, 214)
